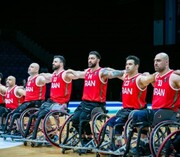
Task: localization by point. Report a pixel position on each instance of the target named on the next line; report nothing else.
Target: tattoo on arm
(113, 73)
(118, 73)
(105, 71)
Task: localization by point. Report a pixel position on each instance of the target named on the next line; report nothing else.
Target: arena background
(72, 28)
(34, 31)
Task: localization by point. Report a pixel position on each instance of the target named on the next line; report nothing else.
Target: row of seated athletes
(18, 99)
(32, 98)
(56, 96)
(165, 78)
(79, 129)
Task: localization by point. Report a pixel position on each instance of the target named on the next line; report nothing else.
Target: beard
(55, 67)
(91, 65)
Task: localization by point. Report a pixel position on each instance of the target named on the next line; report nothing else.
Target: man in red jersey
(2, 104)
(94, 92)
(35, 93)
(166, 93)
(134, 90)
(60, 92)
(14, 97)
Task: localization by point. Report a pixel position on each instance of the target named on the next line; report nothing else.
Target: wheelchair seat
(96, 110)
(164, 114)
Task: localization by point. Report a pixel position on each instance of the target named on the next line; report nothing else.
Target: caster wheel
(25, 143)
(63, 151)
(97, 155)
(32, 144)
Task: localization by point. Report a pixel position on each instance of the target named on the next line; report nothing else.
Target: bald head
(33, 69)
(10, 81)
(161, 62)
(35, 65)
(163, 56)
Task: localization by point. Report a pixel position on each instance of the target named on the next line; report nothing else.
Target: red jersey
(164, 95)
(60, 91)
(132, 95)
(12, 101)
(33, 91)
(2, 97)
(94, 88)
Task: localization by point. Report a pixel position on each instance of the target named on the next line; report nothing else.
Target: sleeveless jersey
(132, 95)
(34, 92)
(60, 91)
(94, 88)
(12, 101)
(164, 96)
(2, 97)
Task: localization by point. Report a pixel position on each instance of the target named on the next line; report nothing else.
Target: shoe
(143, 149)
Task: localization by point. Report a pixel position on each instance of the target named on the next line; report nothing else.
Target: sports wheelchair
(46, 128)
(14, 128)
(165, 121)
(71, 139)
(4, 113)
(113, 144)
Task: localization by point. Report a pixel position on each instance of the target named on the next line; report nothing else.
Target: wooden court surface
(28, 151)
(44, 151)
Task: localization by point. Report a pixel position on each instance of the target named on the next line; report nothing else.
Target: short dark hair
(1, 75)
(135, 58)
(61, 58)
(95, 53)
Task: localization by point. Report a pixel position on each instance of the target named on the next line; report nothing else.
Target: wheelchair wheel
(68, 136)
(109, 141)
(2, 120)
(128, 127)
(98, 121)
(160, 132)
(166, 148)
(103, 138)
(51, 126)
(24, 117)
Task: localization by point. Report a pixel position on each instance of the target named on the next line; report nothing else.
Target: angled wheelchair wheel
(51, 126)
(167, 148)
(98, 121)
(127, 128)
(110, 142)
(68, 136)
(103, 138)
(24, 118)
(160, 132)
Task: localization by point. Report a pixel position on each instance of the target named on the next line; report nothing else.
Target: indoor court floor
(19, 150)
